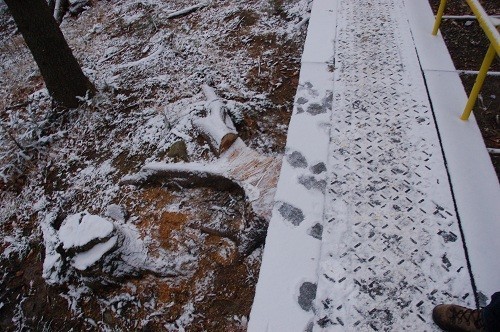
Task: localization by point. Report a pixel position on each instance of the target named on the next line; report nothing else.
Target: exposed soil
(217, 290)
(467, 45)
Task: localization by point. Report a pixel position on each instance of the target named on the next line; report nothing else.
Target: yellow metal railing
(494, 49)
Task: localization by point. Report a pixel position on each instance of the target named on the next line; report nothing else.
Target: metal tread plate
(391, 246)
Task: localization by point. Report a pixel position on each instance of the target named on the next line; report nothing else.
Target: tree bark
(61, 72)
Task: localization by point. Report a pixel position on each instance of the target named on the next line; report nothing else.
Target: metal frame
(493, 35)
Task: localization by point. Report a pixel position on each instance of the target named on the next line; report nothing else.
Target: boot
(454, 318)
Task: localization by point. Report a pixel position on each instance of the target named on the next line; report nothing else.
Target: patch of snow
(473, 178)
(40, 204)
(144, 60)
(17, 244)
(73, 296)
(184, 320)
(52, 263)
(117, 303)
(116, 212)
(132, 18)
(85, 259)
(187, 10)
(79, 229)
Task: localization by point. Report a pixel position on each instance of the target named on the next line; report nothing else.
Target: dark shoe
(454, 318)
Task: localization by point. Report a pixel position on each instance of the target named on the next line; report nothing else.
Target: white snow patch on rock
(52, 263)
(79, 229)
(88, 258)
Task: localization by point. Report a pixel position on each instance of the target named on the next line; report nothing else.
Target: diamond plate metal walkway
(365, 234)
(391, 240)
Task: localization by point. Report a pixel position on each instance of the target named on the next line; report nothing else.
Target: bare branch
(187, 10)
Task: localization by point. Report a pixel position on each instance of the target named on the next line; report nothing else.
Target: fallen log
(217, 127)
(187, 175)
(240, 168)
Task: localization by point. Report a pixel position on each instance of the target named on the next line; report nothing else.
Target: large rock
(86, 239)
(99, 251)
(80, 232)
(178, 150)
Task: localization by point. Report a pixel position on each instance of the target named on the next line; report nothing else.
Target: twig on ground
(187, 10)
(11, 107)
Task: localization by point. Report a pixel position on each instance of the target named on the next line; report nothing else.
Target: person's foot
(454, 318)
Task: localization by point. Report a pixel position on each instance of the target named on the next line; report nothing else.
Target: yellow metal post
(486, 24)
(439, 16)
(488, 59)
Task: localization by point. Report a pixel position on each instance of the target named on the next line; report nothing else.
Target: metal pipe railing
(493, 35)
(488, 59)
(439, 17)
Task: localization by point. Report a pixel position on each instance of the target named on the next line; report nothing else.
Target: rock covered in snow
(99, 250)
(116, 212)
(86, 239)
(84, 244)
(80, 231)
(83, 260)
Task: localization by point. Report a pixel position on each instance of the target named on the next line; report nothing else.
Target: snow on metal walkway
(365, 235)
(391, 241)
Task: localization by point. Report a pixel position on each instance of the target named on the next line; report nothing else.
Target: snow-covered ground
(61, 171)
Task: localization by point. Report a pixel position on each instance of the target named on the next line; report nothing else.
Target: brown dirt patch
(219, 287)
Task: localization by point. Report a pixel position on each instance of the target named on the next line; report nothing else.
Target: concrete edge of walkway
(288, 275)
(473, 179)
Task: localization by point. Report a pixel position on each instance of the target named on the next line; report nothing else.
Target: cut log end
(227, 141)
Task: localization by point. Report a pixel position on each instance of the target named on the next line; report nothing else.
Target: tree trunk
(60, 70)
